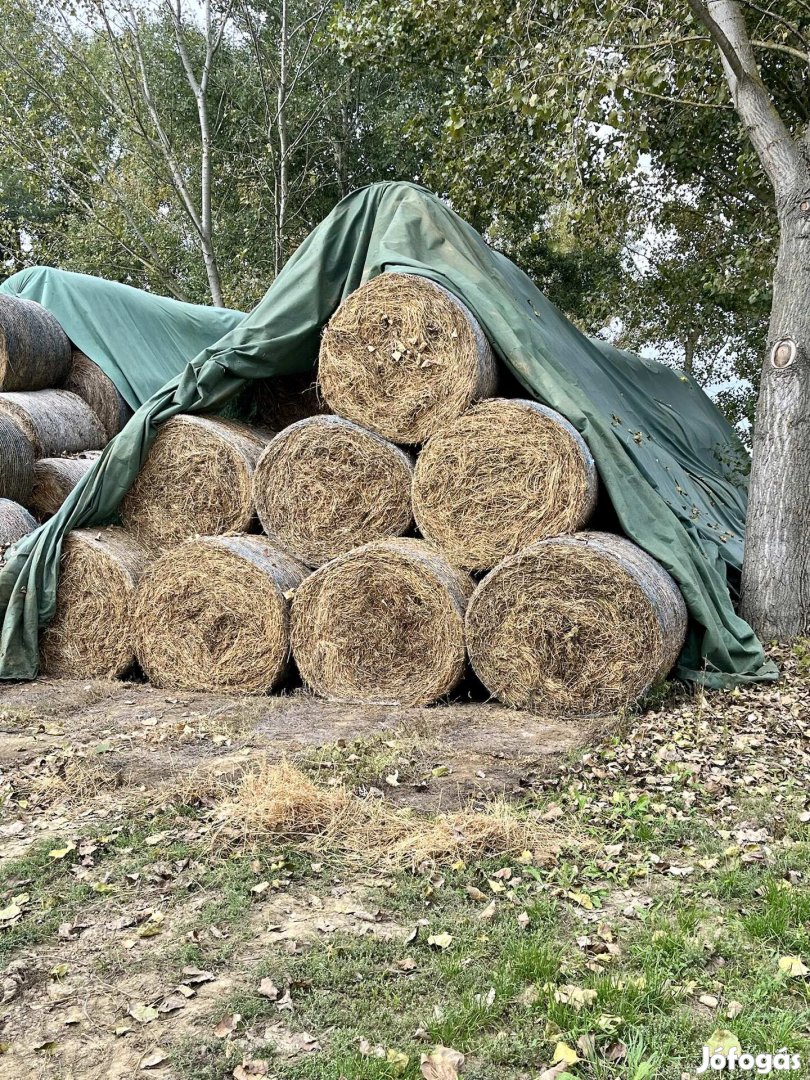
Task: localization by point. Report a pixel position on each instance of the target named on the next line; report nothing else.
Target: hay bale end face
(16, 462)
(54, 421)
(403, 357)
(286, 399)
(55, 478)
(15, 523)
(197, 480)
(34, 349)
(575, 625)
(213, 614)
(383, 624)
(506, 473)
(91, 634)
(325, 485)
(91, 384)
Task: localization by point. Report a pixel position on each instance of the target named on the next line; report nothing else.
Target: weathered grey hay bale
(325, 485)
(383, 624)
(55, 421)
(575, 625)
(196, 481)
(91, 634)
(91, 384)
(16, 462)
(55, 478)
(504, 474)
(403, 357)
(34, 349)
(214, 615)
(15, 522)
(286, 399)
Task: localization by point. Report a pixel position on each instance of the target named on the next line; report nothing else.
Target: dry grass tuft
(55, 422)
(575, 625)
(34, 349)
(55, 478)
(99, 391)
(403, 357)
(504, 474)
(15, 522)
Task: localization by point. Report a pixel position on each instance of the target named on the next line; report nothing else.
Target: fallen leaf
(144, 1014)
(397, 1061)
(151, 1059)
(793, 967)
(60, 853)
(227, 1026)
(268, 989)
(564, 1054)
(722, 1041)
(193, 976)
(172, 1003)
(249, 1069)
(440, 941)
(442, 1063)
(734, 1009)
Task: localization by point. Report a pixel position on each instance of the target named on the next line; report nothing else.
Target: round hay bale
(15, 522)
(325, 485)
(504, 474)
(92, 633)
(575, 625)
(286, 399)
(383, 625)
(16, 462)
(34, 349)
(55, 421)
(213, 614)
(403, 357)
(55, 478)
(99, 391)
(196, 481)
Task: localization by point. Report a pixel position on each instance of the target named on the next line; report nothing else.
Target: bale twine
(15, 522)
(196, 481)
(55, 421)
(34, 349)
(504, 474)
(16, 462)
(99, 391)
(325, 485)
(403, 357)
(286, 399)
(91, 634)
(213, 614)
(383, 624)
(575, 625)
(55, 478)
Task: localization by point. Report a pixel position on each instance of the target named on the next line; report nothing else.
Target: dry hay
(34, 349)
(575, 625)
(16, 462)
(99, 391)
(55, 421)
(286, 399)
(55, 478)
(15, 522)
(506, 473)
(403, 357)
(383, 624)
(196, 481)
(325, 485)
(214, 615)
(91, 634)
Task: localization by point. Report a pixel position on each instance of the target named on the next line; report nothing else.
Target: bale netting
(325, 485)
(383, 624)
(34, 349)
(213, 614)
(506, 473)
(403, 357)
(55, 421)
(91, 634)
(16, 462)
(91, 384)
(286, 399)
(15, 523)
(577, 625)
(55, 478)
(196, 481)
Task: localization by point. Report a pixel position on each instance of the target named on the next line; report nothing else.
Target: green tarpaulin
(673, 468)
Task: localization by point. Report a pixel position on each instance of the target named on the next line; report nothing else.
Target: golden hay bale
(34, 349)
(99, 391)
(575, 625)
(325, 485)
(403, 357)
(15, 522)
(383, 624)
(286, 399)
(196, 481)
(16, 462)
(91, 634)
(55, 421)
(55, 478)
(214, 615)
(504, 474)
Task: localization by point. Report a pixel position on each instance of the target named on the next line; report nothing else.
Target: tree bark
(283, 182)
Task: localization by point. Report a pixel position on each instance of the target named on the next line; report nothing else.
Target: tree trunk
(283, 182)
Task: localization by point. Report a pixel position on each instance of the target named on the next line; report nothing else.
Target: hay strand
(34, 349)
(56, 422)
(325, 485)
(286, 399)
(55, 478)
(575, 625)
(16, 462)
(403, 357)
(383, 624)
(99, 391)
(91, 634)
(15, 522)
(506, 473)
(214, 615)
